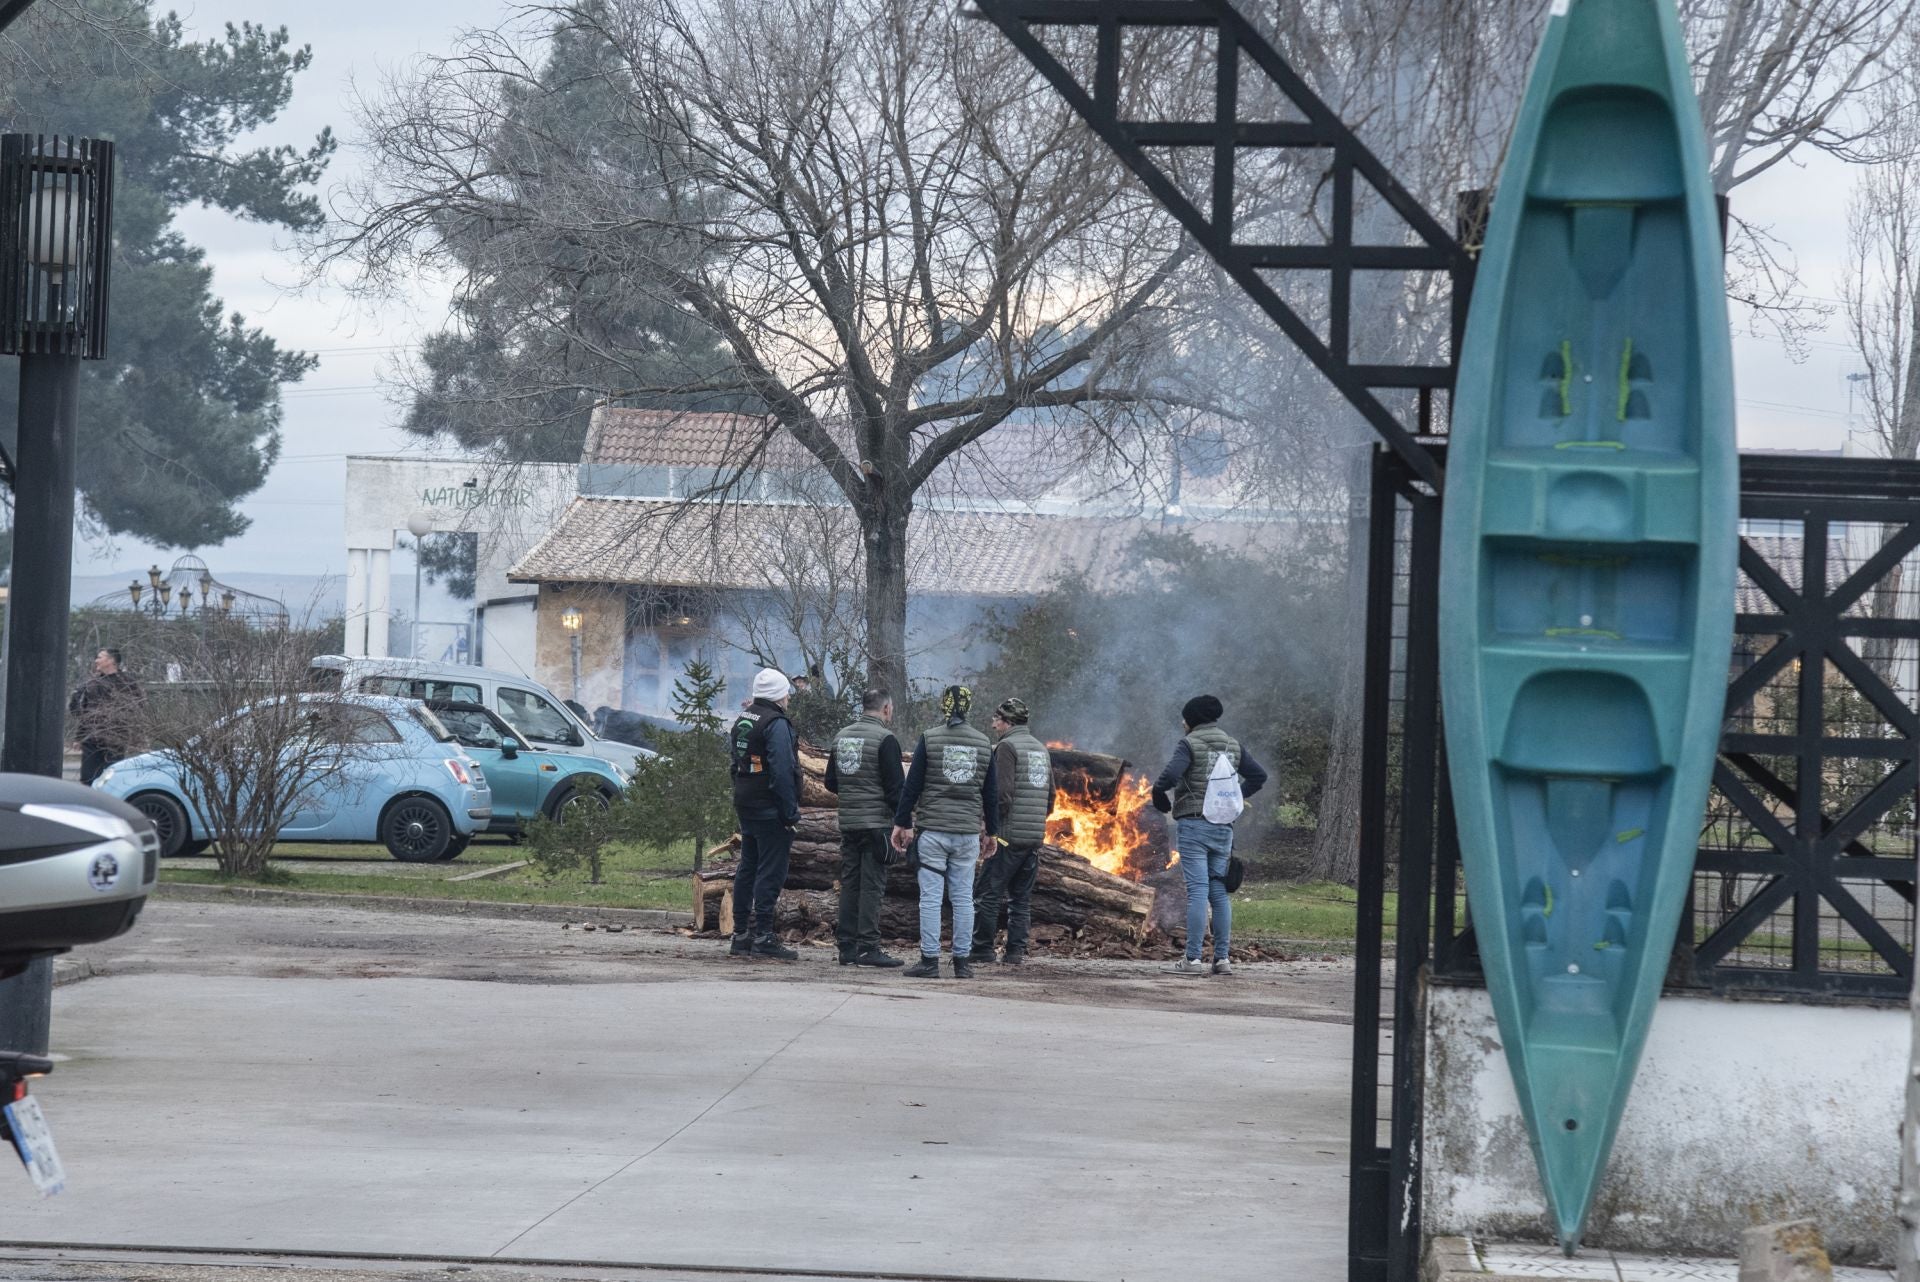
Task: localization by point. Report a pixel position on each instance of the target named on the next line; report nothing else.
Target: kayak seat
(1608, 144)
(1581, 723)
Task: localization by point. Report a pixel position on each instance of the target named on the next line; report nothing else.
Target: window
(346, 723)
(421, 688)
(478, 728)
(536, 718)
(324, 680)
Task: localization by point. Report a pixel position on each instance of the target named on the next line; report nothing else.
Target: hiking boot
(770, 946)
(962, 968)
(982, 955)
(1223, 967)
(874, 957)
(741, 946)
(1014, 959)
(926, 968)
(1190, 968)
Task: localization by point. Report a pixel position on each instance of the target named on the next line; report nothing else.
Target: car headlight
(103, 776)
(85, 818)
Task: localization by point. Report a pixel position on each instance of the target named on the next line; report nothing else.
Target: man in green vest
(1023, 774)
(949, 792)
(1204, 846)
(864, 771)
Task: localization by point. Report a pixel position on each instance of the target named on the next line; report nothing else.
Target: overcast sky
(298, 515)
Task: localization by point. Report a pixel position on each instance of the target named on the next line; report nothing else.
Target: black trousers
(765, 846)
(863, 887)
(95, 757)
(1008, 876)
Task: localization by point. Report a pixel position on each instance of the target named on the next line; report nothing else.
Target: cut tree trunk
(1095, 775)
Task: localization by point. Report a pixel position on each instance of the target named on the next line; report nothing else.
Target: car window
(347, 723)
(421, 688)
(474, 728)
(434, 726)
(324, 680)
(536, 718)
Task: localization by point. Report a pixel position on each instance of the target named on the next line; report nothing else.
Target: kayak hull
(1588, 553)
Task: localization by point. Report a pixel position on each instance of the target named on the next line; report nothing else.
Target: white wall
(1744, 1112)
(510, 508)
(507, 637)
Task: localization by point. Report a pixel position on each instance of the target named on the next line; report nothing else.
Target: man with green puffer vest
(1023, 772)
(1204, 846)
(864, 771)
(949, 792)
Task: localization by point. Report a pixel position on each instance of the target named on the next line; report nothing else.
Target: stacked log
(1095, 775)
(1073, 899)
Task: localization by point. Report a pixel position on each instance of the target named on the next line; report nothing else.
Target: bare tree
(249, 750)
(872, 203)
(1881, 294)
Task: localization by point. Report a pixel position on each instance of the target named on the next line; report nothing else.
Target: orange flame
(1123, 836)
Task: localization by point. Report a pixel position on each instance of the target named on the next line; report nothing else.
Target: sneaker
(962, 968)
(1014, 959)
(926, 968)
(874, 957)
(982, 955)
(846, 956)
(1190, 967)
(741, 946)
(770, 946)
(1223, 968)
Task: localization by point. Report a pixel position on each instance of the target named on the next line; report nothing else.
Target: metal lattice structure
(1240, 51)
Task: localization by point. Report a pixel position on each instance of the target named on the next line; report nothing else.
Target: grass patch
(636, 876)
(1301, 910)
(651, 877)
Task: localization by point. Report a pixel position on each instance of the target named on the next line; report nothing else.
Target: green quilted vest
(856, 761)
(957, 757)
(1030, 786)
(1205, 743)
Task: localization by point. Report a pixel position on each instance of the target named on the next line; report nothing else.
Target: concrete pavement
(695, 1121)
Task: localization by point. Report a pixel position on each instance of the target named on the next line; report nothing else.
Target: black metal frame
(1225, 136)
(1811, 869)
(1406, 821)
(44, 313)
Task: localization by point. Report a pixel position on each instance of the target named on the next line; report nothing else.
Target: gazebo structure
(189, 590)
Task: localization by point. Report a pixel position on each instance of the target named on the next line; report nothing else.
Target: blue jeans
(946, 863)
(1204, 848)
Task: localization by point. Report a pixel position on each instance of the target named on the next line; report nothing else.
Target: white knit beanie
(772, 685)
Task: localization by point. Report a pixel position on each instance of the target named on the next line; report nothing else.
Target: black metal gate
(1804, 882)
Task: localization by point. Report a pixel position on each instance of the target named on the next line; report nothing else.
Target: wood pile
(1076, 907)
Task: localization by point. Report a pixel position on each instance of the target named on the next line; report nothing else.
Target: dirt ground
(309, 941)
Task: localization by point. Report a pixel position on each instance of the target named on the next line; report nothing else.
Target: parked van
(539, 714)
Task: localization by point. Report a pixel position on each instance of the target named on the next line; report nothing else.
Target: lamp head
(571, 619)
(419, 525)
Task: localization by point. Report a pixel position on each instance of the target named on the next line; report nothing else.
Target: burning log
(1094, 775)
(1074, 899)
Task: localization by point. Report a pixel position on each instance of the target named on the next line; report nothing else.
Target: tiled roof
(1017, 462)
(748, 545)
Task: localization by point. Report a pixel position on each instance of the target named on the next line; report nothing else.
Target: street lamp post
(56, 220)
(419, 525)
(571, 619)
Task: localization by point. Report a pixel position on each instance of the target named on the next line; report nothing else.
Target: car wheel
(169, 820)
(417, 830)
(456, 848)
(573, 794)
(196, 847)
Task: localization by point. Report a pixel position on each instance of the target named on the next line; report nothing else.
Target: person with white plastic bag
(1204, 788)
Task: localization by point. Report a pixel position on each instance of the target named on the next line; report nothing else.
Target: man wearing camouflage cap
(1023, 773)
(949, 793)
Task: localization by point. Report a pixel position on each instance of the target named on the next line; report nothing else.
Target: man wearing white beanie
(766, 799)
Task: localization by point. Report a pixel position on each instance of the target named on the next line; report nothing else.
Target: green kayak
(1587, 568)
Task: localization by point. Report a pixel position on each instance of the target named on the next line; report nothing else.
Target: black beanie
(1200, 710)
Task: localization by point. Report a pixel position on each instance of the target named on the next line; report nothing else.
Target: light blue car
(526, 781)
(391, 773)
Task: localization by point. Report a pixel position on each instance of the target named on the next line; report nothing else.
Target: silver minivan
(529, 707)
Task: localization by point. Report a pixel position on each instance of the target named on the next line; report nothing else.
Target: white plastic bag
(1224, 802)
